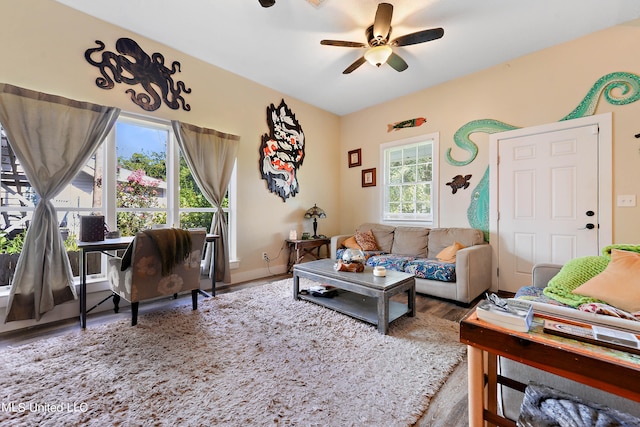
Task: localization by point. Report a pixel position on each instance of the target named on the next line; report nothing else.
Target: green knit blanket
(578, 271)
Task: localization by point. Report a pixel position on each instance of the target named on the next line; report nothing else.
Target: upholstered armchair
(157, 264)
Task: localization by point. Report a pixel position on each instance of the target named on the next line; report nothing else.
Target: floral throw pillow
(366, 240)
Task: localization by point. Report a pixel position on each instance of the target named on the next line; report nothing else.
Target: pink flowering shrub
(140, 191)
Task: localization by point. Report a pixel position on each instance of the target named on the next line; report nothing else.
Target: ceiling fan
(379, 47)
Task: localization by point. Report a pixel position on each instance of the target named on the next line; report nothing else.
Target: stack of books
(325, 291)
(511, 314)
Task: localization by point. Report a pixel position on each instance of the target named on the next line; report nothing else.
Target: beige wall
(42, 48)
(535, 89)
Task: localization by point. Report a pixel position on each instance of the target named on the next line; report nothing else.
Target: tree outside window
(410, 183)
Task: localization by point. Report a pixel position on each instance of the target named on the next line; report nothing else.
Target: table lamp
(315, 212)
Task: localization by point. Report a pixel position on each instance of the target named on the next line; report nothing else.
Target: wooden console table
(610, 370)
(298, 249)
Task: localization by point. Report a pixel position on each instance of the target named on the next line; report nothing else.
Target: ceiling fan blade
(342, 43)
(382, 22)
(355, 65)
(397, 63)
(418, 37)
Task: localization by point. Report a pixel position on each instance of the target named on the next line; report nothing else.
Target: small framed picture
(369, 177)
(355, 158)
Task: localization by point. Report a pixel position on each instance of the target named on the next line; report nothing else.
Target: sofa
(414, 249)
(510, 400)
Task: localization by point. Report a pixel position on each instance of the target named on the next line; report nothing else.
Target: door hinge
(498, 271)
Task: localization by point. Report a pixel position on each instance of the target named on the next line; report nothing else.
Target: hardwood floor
(447, 409)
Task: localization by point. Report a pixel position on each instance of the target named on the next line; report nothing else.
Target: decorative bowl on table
(352, 260)
(353, 256)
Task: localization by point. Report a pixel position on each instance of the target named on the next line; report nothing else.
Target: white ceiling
(279, 46)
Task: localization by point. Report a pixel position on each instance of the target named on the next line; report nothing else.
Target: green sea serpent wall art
(628, 87)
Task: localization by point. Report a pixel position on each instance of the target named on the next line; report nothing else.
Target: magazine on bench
(510, 314)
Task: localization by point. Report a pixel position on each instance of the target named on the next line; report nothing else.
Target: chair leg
(194, 298)
(116, 303)
(134, 313)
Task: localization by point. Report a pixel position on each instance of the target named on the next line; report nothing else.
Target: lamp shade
(378, 55)
(315, 212)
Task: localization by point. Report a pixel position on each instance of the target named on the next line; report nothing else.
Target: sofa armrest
(542, 273)
(336, 243)
(473, 272)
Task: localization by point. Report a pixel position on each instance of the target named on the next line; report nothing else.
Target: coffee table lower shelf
(358, 306)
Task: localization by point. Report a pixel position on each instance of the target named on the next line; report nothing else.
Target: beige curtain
(211, 155)
(53, 137)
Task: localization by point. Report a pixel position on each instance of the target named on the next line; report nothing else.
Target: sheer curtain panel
(53, 137)
(211, 155)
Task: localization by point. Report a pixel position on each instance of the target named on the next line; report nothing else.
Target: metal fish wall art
(418, 121)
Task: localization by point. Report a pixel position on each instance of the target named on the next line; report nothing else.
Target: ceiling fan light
(378, 55)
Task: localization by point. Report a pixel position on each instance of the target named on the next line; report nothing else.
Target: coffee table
(361, 295)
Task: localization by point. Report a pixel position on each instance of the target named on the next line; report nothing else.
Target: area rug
(248, 358)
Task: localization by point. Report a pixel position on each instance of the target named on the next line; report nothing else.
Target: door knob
(589, 226)
(589, 213)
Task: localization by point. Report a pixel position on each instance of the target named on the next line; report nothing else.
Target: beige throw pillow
(619, 283)
(351, 243)
(366, 240)
(448, 254)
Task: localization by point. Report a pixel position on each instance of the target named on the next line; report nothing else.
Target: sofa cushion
(366, 240)
(351, 243)
(573, 274)
(432, 269)
(390, 262)
(410, 241)
(440, 238)
(619, 283)
(448, 254)
(382, 233)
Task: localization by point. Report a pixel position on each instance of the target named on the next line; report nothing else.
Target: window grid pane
(408, 173)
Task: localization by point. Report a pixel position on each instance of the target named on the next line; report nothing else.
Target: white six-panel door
(548, 199)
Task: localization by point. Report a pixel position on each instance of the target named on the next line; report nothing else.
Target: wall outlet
(265, 256)
(627, 200)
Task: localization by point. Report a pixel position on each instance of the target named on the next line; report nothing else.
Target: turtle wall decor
(459, 181)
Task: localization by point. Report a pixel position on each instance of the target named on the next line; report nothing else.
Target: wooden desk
(115, 244)
(610, 370)
(298, 249)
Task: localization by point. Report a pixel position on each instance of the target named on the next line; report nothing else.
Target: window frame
(431, 220)
(173, 210)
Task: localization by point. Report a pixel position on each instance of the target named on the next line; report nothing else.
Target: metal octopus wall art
(617, 88)
(133, 66)
(282, 151)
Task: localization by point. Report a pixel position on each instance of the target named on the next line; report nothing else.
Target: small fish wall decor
(411, 123)
(459, 181)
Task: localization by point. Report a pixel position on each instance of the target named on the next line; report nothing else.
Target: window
(409, 187)
(137, 178)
